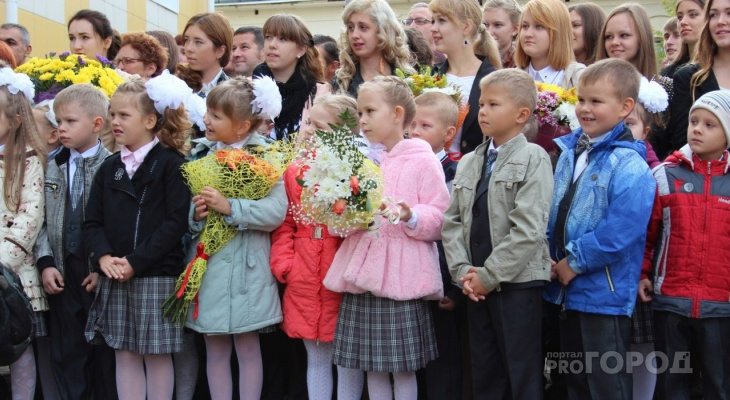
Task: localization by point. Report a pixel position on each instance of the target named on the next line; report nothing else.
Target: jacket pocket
(51, 188)
(253, 260)
(608, 278)
(463, 189)
(508, 179)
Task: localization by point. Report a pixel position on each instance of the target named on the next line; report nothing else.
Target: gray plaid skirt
(128, 316)
(383, 335)
(642, 323)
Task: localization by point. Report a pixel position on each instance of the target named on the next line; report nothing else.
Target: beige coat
(519, 195)
(19, 231)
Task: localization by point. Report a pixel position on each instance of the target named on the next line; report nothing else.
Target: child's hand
(90, 282)
(563, 271)
(553, 275)
(108, 266)
(125, 268)
(215, 200)
(473, 286)
(405, 211)
(645, 290)
(201, 210)
(52, 280)
(447, 304)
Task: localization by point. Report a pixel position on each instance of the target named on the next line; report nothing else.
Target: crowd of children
(522, 270)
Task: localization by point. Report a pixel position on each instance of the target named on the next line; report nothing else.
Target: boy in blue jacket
(601, 207)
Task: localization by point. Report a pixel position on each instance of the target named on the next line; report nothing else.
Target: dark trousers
(593, 338)
(505, 345)
(81, 371)
(681, 338)
(443, 375)
(285, 367)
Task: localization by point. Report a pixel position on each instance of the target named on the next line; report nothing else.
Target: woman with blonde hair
(545, 45)
(471, 53)
(372, 43)
(627, 34)
(502, 20)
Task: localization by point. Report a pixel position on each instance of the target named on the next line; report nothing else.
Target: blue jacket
(605, 230)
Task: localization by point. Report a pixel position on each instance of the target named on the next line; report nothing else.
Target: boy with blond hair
(495, 240)
(601, 206)
(435, 122)
(67, 276)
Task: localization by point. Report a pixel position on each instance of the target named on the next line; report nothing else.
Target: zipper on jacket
(708, 185)
(610, 281)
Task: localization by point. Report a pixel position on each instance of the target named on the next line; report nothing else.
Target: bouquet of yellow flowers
(556, 106)
(423, 82)
(50, 75)
(242, 174)
(555, 113)
(341, 188)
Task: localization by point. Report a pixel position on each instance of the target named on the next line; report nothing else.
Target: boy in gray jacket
(494, 235)
(81, 111)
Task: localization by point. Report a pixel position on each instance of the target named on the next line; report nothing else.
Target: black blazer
(676, 132)
(142, 219)
(471, 133)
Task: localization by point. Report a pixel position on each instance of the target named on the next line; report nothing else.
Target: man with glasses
(419, 17)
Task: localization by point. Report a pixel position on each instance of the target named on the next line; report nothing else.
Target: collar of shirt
(237, 145)
(2, 148)
(491, 145)
(207, 87)
(442, 155)
(599, 138)
(88, 153)
(546, 75)
(133, 159)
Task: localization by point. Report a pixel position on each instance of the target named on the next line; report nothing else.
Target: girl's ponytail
(175, 129)
(486, 46)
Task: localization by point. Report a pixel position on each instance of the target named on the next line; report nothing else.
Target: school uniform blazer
(143, 218)
(471, 133)
(49, 249)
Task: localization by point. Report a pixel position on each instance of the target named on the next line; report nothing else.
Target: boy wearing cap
(686, 274)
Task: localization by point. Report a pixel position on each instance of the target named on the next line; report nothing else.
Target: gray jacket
(49, 246)
(519, 195)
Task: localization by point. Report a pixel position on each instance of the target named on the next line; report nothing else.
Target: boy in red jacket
(687, 253)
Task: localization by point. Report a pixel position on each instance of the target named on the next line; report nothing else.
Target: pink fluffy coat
(395, 261)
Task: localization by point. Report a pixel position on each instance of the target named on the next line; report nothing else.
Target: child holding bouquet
(301, 256)
(238, 295)
(135, 217)
(384, 324)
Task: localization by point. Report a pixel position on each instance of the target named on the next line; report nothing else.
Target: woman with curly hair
(141, 54)
(471, 54)
(372, 43)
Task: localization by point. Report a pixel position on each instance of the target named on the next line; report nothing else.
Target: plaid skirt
(383, 335)
(642, 323)
(128, 316)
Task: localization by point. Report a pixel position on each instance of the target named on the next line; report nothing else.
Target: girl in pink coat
(384, 324)
(301, 255)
